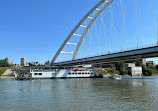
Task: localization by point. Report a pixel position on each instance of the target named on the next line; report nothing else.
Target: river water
(128, 94)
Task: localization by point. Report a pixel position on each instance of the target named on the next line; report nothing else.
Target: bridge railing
(113, 52)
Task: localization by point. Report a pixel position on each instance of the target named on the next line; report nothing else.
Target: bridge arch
(107, 3)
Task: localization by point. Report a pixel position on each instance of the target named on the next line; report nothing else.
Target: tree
(4, 63)
(31, 64)
(152, 67)
(36, 63)
(120, 66)
(47, 62)
(157, 67)
(147, 72)
(139, 62)
(113, 69)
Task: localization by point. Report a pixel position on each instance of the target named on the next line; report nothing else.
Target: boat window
(36, 74)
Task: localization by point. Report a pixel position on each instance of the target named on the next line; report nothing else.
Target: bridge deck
(114, 57)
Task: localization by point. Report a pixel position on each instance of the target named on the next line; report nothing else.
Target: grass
(154, 74)
(8, 75)
(3, 69)
(26, 67)
(106, 71)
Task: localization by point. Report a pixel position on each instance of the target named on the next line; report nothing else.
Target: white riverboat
(60, 72)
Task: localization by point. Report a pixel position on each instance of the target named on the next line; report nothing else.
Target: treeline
(147, 71)
(38, 64)
(121, 69)
(4, 63)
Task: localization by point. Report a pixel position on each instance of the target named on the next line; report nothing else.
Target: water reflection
(80, 94)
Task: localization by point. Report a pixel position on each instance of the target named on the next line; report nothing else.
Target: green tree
(31, 64)
(157, 67)
(36, 63)
(152, 67)
(120, 66)
(4, 63)
(139, 62)
(47, 62)
(147, 71)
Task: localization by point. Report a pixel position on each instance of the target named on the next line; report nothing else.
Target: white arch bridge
(108, 32)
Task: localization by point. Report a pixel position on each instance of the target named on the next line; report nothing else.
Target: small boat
(115, 76)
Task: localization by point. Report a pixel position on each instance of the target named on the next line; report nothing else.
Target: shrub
(147, 71)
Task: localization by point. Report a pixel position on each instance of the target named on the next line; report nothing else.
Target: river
(128, 94)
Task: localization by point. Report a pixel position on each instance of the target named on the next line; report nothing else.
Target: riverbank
(7, 77)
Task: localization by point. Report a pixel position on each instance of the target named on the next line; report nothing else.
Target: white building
(134, 70)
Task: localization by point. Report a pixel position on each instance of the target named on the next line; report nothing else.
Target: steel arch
(108, 2)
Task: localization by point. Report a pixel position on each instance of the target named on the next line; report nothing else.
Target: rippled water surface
(128, 94)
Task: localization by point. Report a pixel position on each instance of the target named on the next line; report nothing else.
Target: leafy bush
(109, 70)
(152, 67)
(117, 72)
(147, 71)
(157, 67)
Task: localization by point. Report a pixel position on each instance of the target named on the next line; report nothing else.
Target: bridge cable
(115, 35)
(94, 28)
(114, 31)
(105, 34)
(138, 21)
(110, 30)
(111, 12)
(140, 35)
(104, 28)
(95, 34)
(100, 29)
(90, 39)
(157, 29)
(153, 19)
(84, 44)
(123, 23)
(89, 32)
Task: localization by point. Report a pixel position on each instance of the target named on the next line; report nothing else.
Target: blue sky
(36, 28)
